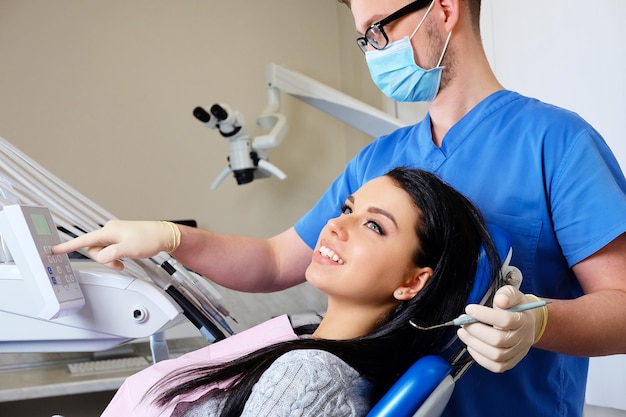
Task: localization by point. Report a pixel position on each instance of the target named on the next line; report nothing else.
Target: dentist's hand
(125, 239)
(501, 338)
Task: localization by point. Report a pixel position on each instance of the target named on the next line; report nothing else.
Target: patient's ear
(414, 284)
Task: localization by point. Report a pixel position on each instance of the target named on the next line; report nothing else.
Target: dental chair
(426, 387)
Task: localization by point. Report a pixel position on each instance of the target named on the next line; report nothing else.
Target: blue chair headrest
(481, 281)
(413, 387)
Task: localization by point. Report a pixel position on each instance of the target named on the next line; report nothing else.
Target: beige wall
(101, 93)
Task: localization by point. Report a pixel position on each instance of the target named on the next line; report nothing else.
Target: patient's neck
(343, 322)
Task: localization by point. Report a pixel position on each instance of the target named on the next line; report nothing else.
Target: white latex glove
(125, 239)
(501, 339)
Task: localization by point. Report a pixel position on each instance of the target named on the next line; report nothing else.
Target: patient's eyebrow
(376, 210)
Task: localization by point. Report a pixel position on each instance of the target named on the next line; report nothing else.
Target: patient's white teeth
(328, 253)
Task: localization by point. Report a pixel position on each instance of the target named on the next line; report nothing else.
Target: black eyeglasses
(375, 35)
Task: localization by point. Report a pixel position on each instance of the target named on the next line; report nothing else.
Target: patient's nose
(337, 227)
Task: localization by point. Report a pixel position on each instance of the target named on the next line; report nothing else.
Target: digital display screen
(41, 224)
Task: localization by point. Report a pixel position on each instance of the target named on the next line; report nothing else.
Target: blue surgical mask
(395, 72)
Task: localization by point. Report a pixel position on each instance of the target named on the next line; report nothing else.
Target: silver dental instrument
(467, 319)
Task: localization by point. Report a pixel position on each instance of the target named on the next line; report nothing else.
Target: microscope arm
(271, 169)
(271, 119)
(218, 180)
(278, 124)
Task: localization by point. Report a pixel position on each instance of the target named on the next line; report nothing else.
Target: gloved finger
(123, 239)
(491, 365)
(100, 245)
(95, 253)
(484, 354)
(502, 319)
(95, 238)
(494, 344)
(105, 254)
(493, 336)
(490, 357)
(508, 296)
(116, 264)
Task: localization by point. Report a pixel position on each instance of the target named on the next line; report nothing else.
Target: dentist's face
(427, 41)
(365, 254)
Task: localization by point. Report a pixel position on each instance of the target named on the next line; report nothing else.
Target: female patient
(405, 246)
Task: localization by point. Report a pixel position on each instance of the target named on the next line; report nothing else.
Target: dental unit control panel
(30, 233)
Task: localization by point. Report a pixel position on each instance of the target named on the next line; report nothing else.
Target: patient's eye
(345, 209)
(371, 224)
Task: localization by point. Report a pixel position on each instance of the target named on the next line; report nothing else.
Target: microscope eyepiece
(201, 114)
(219, 112)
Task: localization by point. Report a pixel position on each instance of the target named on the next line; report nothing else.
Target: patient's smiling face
(365, 254)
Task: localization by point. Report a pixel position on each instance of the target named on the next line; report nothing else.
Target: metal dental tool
(467, 319)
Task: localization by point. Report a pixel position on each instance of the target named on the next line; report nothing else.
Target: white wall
(566, 52)
(570, 53)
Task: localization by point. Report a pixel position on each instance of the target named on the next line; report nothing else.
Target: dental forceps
(467, 319)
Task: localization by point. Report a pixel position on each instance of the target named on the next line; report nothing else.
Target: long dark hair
(451, 233)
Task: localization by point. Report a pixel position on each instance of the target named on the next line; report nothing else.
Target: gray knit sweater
(301, 383)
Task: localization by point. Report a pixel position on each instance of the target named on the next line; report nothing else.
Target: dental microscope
(247, 157)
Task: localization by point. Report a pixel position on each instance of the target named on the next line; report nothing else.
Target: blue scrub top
(546, 177)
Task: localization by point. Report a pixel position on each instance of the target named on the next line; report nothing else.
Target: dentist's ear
(449, 14)
(414, 284)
